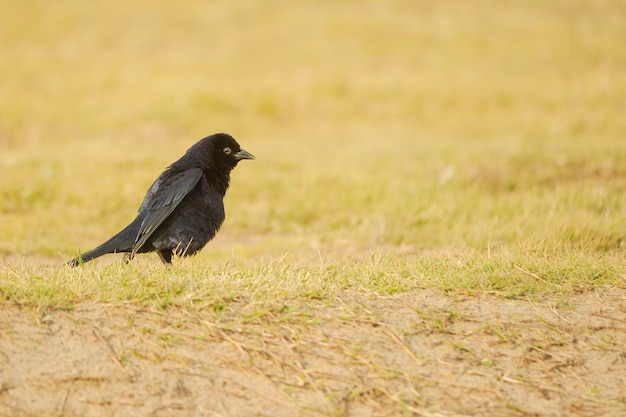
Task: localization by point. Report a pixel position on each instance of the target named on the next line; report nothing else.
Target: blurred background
(396, 125)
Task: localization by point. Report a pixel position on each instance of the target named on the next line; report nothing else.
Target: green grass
(400, 145)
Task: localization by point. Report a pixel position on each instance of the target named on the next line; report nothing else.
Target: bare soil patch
(423, 354)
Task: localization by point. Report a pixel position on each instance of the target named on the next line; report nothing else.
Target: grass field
(468, 150)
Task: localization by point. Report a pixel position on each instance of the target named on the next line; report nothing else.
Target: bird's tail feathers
(121, 242)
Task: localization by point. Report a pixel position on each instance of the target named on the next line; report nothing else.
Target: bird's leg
(128, 256)
(166, 256)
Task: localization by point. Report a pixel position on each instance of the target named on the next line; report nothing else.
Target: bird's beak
(243, 154)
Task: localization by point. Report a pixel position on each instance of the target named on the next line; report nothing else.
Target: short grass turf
(400, 145)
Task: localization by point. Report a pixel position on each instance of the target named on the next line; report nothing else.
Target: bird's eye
(227, 151)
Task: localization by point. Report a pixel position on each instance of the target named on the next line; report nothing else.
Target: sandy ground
(422, 354)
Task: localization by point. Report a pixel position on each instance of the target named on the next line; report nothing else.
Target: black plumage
(184, 207)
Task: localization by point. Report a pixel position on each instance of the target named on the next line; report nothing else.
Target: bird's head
(226, 152)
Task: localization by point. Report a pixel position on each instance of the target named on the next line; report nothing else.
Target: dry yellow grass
(468, 147)
(422, 130)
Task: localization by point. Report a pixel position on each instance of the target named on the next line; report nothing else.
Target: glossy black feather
(167, 194)
(183, 209)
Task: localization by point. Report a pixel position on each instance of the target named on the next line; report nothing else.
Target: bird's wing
(163, 201)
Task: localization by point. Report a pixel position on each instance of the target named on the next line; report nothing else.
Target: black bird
(184, 208)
